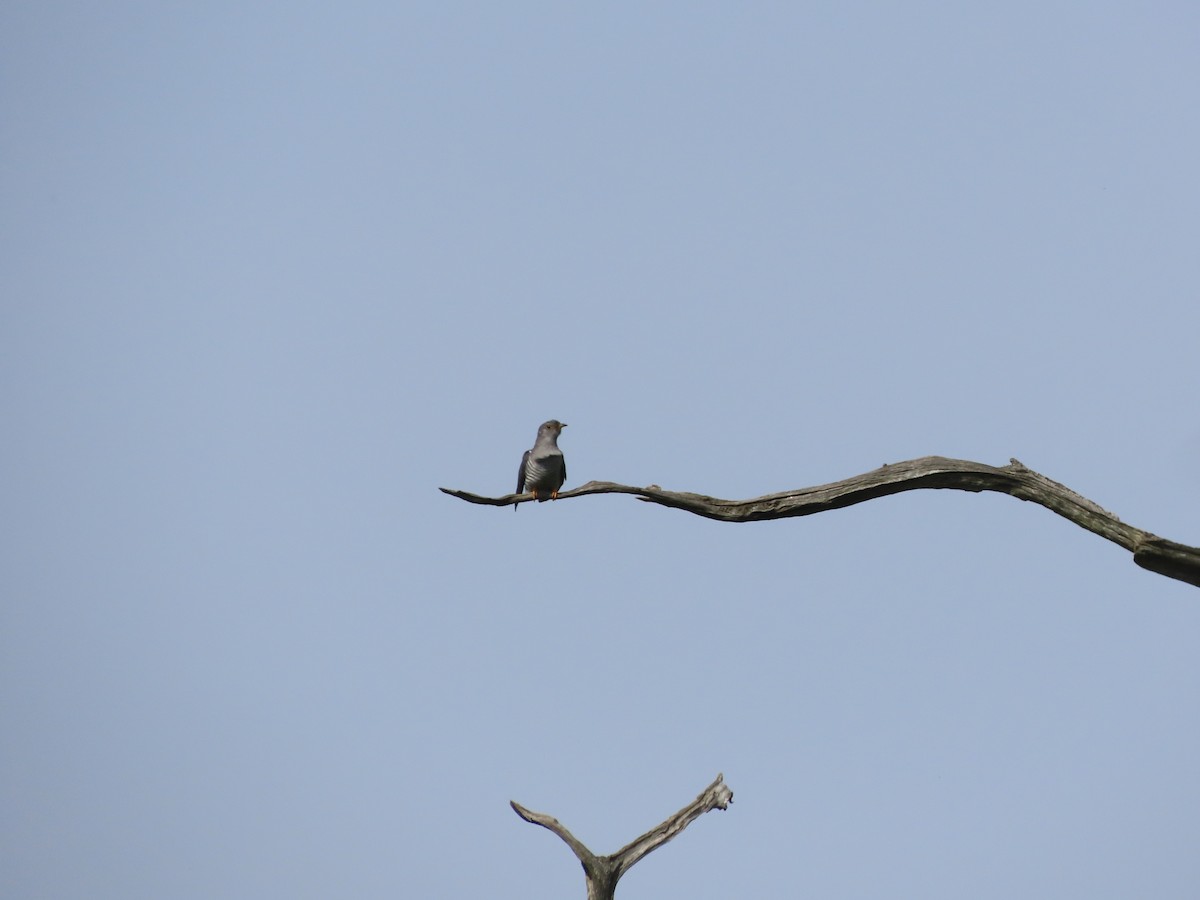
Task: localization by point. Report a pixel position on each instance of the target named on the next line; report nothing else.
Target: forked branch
(1149, 551)
(603, 872)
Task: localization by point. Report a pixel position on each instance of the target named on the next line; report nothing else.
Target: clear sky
(272, 273)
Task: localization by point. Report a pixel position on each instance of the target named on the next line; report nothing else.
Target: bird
(543, 468)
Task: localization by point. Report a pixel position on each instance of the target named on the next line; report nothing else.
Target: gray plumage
(543, 469)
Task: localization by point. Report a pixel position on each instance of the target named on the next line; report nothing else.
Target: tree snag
(1149, 551)
(603, 872)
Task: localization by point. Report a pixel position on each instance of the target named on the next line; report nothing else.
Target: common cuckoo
(543, 469)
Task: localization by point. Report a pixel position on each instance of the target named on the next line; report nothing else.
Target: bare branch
(603, 872)
(1151, 552)
(716, 796)
(549, 822)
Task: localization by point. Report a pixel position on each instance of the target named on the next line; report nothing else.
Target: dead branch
(603, 872)
(1149, 551)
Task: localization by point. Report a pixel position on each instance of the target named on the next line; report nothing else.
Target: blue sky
(273, 273)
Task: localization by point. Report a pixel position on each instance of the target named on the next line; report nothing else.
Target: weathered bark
(1149, 551)
(603, 872)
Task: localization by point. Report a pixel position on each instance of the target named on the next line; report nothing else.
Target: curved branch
(586, 856)
(603, 872)
(1151, 552)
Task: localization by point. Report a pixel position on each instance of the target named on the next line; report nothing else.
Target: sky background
(272, 273)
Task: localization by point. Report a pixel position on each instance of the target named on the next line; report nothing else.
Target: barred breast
(544, 473)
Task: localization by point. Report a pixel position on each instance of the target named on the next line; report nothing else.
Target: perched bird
(543, 469)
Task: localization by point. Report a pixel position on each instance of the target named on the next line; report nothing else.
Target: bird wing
(521, 473)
